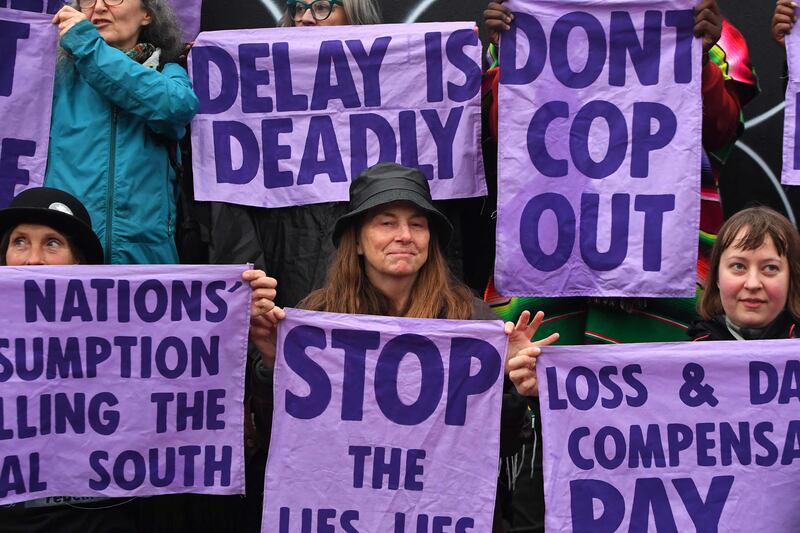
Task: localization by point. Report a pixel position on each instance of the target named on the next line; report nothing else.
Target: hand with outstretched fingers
(522, 352)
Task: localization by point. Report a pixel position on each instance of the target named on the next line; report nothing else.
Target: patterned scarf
(142, 52)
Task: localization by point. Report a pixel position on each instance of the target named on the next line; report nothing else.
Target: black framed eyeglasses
(320, 9)
(86, 4)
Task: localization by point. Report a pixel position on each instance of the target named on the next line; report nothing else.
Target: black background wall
(752, 174)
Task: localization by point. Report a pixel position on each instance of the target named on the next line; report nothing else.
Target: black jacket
(783, 327)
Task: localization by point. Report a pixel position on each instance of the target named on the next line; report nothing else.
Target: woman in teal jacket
(120, 104)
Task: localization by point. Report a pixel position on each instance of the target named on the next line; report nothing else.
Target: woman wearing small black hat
(389, 261)
(44, 226)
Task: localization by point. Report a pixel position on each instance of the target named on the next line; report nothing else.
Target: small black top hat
(389, 182)
(58, 210)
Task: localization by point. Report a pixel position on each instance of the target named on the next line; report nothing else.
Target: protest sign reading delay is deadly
(672, 437)
(27, 64)
(599, 150)
(288, 116)
(115, 384)
(384, 424)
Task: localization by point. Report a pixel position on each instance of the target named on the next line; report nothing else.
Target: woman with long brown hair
(389, 262)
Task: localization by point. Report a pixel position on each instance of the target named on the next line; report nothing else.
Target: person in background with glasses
(331, 13)
(120, 105)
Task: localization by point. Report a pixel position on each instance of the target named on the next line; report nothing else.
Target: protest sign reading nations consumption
(116, 384)
(288, 116)
(791, 131)
(672, 437)
(378, 429)
(27, 65)
(599, 150)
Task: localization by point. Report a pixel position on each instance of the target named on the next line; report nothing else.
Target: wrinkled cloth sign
(289, 115)
(384, 424)
(122, 382)
(27, 67)
(599, 149)
(34, 6)
(791, 132)
(672, 437)
(188, 12)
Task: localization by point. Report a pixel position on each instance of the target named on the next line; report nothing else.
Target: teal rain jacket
(107, 113)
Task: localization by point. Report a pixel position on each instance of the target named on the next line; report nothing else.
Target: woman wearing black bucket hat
(44, 226)
(389, 261)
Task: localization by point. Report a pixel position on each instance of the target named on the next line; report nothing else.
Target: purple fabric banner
(672, 437)
(27, 66)
(791, 143)
(599, 149)
(289, 115)
(376, 428)
(34, 6)
(188, 12)
(122, 382)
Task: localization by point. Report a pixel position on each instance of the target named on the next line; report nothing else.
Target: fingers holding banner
(497, 18)
(263, 287)
(263, 329)
(66, 18)
(783, 20)
(707, 23)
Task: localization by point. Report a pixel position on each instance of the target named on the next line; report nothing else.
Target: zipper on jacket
(112, 157)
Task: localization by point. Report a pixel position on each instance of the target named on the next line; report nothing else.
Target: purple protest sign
(27, 67)
(33, 6)
(790, 174)
(599, 149)
(671, 437)
(122, 381)
(376, 428)
(289, 115)
(188, 12)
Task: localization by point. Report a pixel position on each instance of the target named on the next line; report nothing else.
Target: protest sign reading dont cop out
(599, 149)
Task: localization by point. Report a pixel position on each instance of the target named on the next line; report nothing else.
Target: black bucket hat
(58, 210)
(389, 182)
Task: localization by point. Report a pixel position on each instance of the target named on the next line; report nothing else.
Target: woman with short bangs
(753, 287)
(120, 105)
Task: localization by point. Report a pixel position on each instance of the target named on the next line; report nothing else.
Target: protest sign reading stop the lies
(27, 65)
(122, 382)
(384, 424)
(672, 437)
(288, 116)
(599, 149)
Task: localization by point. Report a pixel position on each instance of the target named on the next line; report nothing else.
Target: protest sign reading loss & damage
(671, 437)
